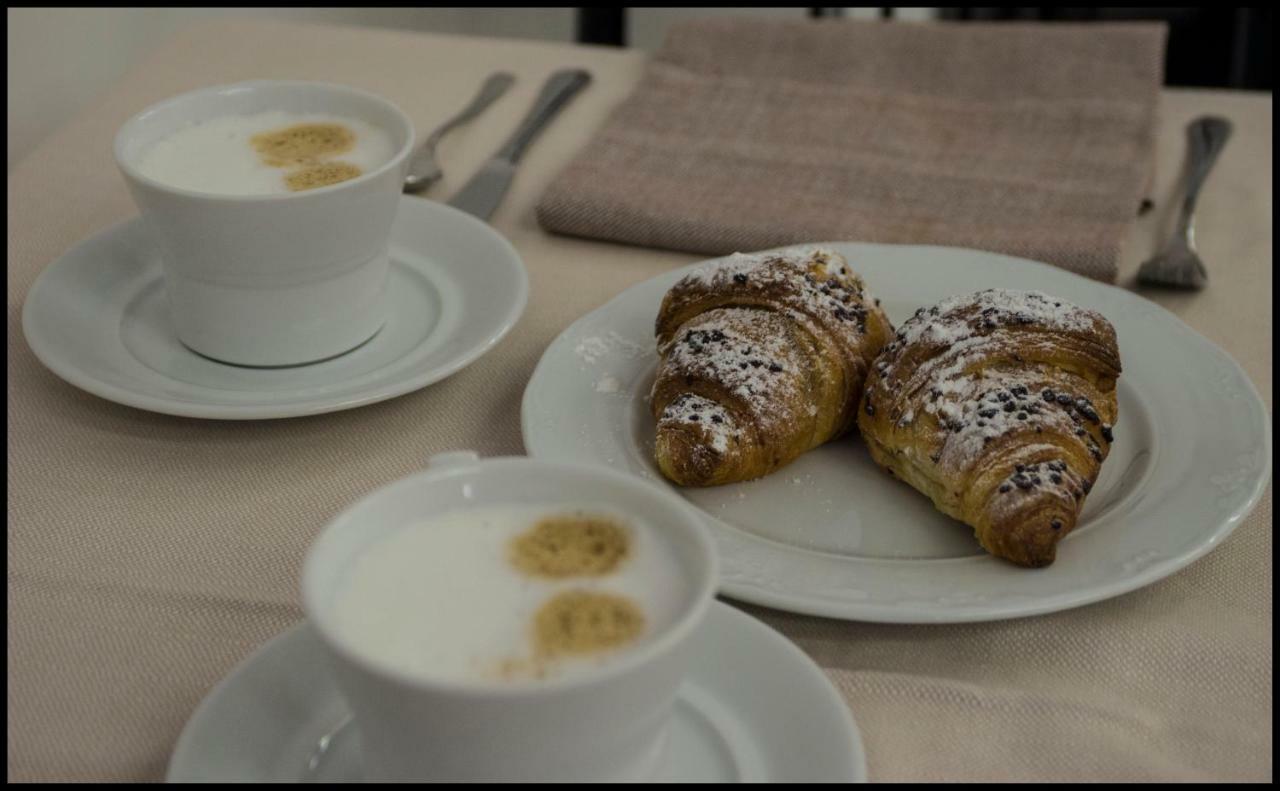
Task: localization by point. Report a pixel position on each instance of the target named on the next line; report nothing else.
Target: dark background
(1217, 47)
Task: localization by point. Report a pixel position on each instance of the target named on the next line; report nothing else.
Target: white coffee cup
(606, 725)
(270, 280)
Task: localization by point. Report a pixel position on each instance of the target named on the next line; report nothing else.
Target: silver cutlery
(423, 168)
(482, 194)
(1178, 264)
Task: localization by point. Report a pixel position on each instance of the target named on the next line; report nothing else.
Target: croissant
(999, 406)
(763, 358)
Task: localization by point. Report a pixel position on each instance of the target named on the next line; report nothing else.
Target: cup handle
(455, 458)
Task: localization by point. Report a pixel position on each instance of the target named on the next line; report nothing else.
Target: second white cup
(271, 280)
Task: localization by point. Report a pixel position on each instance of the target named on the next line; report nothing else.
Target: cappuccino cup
(270, 205)
(511, 619)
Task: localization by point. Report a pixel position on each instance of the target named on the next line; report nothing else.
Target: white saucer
(831, 534)
(754, 709)
(97, 318)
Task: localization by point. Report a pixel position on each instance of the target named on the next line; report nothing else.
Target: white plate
(755, 708)
(97, 318)
(831, 534)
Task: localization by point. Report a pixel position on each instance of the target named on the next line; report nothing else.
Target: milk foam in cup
(517, 594)
(267, 153)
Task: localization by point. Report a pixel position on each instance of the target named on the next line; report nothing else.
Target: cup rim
(674, 635)
(133, 173)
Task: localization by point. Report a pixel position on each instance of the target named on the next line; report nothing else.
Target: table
(148, 554)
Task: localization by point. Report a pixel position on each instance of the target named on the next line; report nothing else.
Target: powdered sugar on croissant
(998, 405)
(764, 357)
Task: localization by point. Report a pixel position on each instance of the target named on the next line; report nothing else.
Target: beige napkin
(1035, 140)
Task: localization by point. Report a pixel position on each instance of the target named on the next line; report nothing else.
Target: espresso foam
(221, 156)
(453, 598)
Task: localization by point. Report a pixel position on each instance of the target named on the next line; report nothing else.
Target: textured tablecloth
(745, 133)
(148, 554)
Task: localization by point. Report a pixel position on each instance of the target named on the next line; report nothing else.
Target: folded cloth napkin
(1035, 140)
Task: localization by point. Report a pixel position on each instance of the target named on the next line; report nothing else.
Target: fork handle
(423, 169)
(494, 87)
(1206, 137)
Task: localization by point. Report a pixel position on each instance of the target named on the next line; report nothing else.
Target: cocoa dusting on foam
(573, 623)
(571, 545)
(302, 144)
(307, 149)
(513, 669)
(321, 175)
(585, 622)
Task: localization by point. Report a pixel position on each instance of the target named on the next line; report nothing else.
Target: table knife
(482, 194)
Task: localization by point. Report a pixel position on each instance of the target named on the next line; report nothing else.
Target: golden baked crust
(763, 358)
(999, 406)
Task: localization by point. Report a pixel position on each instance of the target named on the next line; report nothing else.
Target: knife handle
(557, 92)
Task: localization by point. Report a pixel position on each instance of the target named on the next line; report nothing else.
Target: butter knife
(482, 194)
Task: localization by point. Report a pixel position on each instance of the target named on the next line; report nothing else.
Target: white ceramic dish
(832, 535)
(97, 318)
(774, 718)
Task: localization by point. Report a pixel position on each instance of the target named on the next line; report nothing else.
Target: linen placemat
(1035, 140)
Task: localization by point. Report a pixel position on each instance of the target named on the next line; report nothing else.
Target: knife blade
(481, 195)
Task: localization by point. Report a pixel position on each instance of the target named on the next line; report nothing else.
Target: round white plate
(831, 534)
(768, 714)
(97, 318)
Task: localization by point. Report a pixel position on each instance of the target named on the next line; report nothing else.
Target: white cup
(608, 724)
(269, 280)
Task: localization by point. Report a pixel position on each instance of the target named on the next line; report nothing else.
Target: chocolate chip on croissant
(763, 358)
(999, 406)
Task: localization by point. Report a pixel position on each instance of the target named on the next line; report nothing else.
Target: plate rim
(896, 613)
(855, 768)
(48, 357)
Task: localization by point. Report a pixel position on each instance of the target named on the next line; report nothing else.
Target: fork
(1178, 264)
(423, 169)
